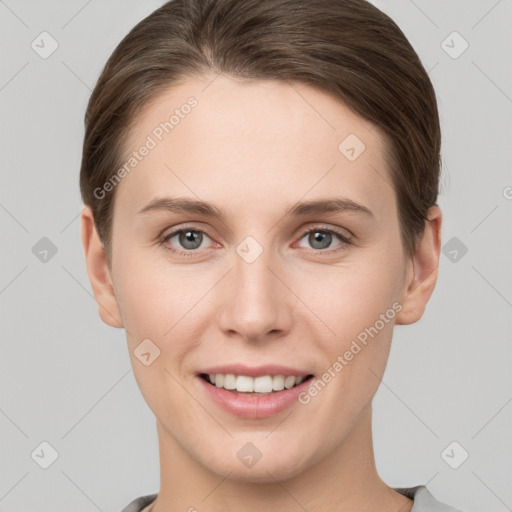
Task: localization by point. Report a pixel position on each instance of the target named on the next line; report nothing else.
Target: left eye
(322, 238)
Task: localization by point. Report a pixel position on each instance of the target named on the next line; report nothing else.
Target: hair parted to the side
(347, 48)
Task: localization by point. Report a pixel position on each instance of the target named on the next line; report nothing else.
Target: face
(298, 260)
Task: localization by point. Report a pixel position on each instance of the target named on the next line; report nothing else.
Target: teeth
(244, 384)
(289, 382)
(229, 381)
(263, 384)
(278, 383)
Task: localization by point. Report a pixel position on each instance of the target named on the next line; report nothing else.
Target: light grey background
(65, 377)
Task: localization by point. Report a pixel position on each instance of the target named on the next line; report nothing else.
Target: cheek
(350, 297)
(163, 303)
(357, 305)
(154, 300)
(151, 292)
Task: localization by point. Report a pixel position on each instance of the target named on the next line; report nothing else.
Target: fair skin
(254, 149)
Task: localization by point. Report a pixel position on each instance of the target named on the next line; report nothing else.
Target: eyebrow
(188, 205)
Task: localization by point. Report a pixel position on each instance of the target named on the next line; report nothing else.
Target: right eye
(187, 239)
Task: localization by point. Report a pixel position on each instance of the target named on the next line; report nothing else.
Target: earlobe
(98, 271)
(425, 264)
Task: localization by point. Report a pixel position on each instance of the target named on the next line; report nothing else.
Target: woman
(260, 181)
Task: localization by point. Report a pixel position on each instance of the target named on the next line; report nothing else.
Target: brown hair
(347, 48)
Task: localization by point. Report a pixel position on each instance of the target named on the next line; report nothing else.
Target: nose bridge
(256, 303)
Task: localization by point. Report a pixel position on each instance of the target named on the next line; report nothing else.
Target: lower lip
(254, 407)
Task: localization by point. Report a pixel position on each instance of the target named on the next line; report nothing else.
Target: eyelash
(190, 253)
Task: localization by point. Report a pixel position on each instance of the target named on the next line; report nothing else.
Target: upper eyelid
(166, 234)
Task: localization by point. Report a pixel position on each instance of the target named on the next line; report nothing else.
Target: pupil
(188, 239)
(318, 236)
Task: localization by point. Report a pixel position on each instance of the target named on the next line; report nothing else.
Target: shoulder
(424, 501)
(138, 504)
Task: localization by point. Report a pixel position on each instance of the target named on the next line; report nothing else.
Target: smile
(253, 398)
(258, 386)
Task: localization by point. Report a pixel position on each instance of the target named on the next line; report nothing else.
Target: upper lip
(255, 371)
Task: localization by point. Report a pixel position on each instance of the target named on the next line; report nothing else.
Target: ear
(98, 271)
(422, 277)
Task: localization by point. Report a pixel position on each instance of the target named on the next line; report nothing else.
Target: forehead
(218, 136)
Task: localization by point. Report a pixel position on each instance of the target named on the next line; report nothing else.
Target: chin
(273, 465)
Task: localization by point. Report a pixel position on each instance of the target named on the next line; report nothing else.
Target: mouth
(245, 385)
(253, 392)
(253, 398)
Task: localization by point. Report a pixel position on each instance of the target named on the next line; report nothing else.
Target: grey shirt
(423, 501)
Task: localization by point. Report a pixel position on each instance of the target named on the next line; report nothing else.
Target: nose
(257, 305)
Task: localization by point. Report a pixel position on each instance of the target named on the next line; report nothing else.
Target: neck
(343, 480)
